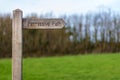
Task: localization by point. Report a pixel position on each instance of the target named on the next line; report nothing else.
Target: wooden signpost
(18, 23)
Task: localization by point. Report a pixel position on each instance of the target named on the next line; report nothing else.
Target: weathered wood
(17, 24)
(43, 23)
(17, 45)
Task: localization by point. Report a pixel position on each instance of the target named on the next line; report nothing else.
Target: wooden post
(17, 45)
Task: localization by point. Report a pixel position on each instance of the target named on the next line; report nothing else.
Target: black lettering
(58, 23)
(47, 24)
(53, 23)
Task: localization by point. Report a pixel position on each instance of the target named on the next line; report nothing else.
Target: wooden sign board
(43, 23)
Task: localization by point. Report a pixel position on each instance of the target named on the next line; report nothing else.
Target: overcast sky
(57, 6)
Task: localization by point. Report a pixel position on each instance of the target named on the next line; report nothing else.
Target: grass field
(81, 67)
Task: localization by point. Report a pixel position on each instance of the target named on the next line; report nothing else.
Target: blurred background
(92, 27)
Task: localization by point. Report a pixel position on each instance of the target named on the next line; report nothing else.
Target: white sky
(57, 6)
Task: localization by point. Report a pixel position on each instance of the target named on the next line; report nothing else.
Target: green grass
(81, 67)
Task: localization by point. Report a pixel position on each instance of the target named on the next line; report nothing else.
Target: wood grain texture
(52, 23)
(17, 45)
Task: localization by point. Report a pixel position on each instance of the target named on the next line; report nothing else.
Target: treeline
(83, 34)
